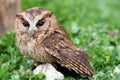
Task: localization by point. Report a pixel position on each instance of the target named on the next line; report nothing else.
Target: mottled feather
(60, 46)
(48, 42)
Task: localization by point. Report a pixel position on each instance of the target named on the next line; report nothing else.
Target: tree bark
(2, 30)
(8, 10)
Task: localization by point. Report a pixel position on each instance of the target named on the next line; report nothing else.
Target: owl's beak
(31, 32)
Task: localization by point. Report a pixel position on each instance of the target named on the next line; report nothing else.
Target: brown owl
(40, 37)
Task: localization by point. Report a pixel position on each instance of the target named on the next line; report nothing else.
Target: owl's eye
(26, 24)
(40, 23)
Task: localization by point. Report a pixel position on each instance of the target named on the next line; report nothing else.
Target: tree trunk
(8, 10)
(2, 30)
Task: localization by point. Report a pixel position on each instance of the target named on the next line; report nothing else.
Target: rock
(49, 71)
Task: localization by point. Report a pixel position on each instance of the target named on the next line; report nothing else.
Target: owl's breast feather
(27, 47)
(33, 48)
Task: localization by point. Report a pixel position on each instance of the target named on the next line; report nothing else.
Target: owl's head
(35, 20)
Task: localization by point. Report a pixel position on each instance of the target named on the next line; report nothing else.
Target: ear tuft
(18, 15)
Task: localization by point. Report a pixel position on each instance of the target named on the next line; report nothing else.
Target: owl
(40, 37)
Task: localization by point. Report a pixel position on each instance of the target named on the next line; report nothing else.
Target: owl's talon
(34, 65)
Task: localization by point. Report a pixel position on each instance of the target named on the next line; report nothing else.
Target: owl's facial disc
(36, 20)
(32, 24)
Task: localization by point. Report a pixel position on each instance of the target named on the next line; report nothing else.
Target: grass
(85, 22)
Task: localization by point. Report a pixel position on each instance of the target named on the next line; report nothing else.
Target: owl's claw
(34, 65)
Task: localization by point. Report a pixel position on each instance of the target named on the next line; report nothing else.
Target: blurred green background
(86, 21)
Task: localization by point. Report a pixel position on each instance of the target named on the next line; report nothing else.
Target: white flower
(117, 69)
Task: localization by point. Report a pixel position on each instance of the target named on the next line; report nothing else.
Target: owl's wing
(68, 55)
